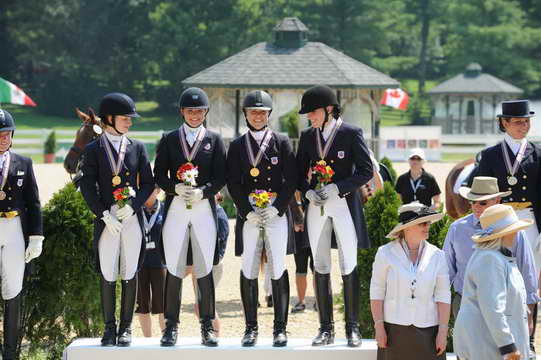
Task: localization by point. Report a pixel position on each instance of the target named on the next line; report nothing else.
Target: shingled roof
(268, 65)
(474, 81)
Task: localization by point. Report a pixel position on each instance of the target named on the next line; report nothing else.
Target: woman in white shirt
(409, 291)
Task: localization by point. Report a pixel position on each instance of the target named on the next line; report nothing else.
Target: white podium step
(229, 348)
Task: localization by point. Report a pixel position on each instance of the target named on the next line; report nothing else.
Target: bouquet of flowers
(122, 195)
(323, 174)
(261, 199)
(187, 173)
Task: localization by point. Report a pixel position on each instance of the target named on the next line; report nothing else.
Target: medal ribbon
(115, 167)
(323, 151)
(264, 145)
(413, 265)
(189, 155)
(148, 224)
(5, 170)
(513, 169)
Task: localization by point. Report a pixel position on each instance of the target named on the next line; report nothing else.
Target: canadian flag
(396, 98)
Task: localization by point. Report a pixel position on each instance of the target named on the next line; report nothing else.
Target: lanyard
(415, 187)
(148, 224)
(414, 266)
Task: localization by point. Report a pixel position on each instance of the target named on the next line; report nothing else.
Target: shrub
(50, 144)
(63, 298)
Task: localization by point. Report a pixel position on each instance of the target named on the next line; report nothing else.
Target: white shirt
(514, 144)
(3, 158)
(191, 133)
(258, 135)
(328, 128)
(391, 282)
(115, 140)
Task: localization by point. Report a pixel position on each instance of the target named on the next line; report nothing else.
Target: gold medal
(322, 162)
(2, 195)
(254, 172)
(116, 180)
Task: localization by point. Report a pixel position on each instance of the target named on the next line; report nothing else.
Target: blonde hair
(494, 244)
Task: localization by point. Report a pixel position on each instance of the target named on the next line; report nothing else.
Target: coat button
(270, 190)
(332, 161)
(268, 167)
(524, 188)
(255, 180)
(523, 199)
(510, 199)
(509, 189)
(9, 198)
(268, 179)
(524, 177)
(9, 207)
(127, 183)
(127, 173)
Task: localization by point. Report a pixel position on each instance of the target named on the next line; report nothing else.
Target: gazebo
(285, 67)
(468, 103)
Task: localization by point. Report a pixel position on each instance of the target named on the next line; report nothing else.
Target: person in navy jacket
(21, 226)
(262, 160)
(112, 163)
(335, 208)
(190, 223)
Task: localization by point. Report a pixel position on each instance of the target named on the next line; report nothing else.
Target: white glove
(254, 217)
(111, 223)
(314, 198)
(124, 212)
(268, 213)
(34, 247)
(193, 195)
(181, 189)
(328, 192)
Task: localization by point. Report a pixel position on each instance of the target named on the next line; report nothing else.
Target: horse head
(90, 129)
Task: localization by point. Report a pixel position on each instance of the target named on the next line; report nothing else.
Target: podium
(228, 348)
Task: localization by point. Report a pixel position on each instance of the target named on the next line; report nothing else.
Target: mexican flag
(395, 98)
(12, 94)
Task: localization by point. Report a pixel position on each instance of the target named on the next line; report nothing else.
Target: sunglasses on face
(415, 158)
(481, 203)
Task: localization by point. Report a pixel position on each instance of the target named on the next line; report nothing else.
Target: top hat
(516, 108)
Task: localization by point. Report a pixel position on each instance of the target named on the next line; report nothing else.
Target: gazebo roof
(474, 81)
(273, 65)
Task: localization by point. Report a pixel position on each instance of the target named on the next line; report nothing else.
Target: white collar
(191, 130)
(3, 158)
(113, 138)
(328, 128)
(258, 135)
(514, 144)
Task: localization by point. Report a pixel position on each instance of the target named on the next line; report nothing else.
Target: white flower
(131, 191)
(189, 176)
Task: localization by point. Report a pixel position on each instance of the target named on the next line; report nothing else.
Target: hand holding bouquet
(323, 174)
(187, 174)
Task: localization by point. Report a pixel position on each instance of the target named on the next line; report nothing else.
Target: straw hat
(497, 221)
(483, 188)
(412, 214)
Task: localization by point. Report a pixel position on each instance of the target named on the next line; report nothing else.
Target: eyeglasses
(415, 158)
(481, 203)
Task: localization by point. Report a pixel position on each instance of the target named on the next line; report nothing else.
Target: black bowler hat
(516, 108)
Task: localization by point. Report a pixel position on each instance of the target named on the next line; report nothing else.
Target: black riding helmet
(256, 99)
(6, 122)
(116, 104)
(319, 96)
(194, 98)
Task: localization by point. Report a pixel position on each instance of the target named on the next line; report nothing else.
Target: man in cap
(459, 246)
(190, 233)
(116, 181)
(262, 159)
(516, 163)
(21, 226)
(335, 207)
(417, 184)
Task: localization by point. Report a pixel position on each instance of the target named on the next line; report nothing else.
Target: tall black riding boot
(108, 302)
(351, 305)
(173, 294)
(12, 326)
(127, 305)
(207, 309)
(249, 293)
(280, 293)
(324, 305)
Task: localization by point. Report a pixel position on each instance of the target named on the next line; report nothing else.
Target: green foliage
(50, 144)
(62, 300)
(290, 123)
(389, 165)
(229, 206)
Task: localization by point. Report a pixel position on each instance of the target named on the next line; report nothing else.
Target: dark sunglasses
(416, 158)
(482, 203)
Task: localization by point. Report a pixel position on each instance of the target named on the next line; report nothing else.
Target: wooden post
(237, 113)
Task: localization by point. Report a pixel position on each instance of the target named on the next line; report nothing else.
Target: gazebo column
(237, 113)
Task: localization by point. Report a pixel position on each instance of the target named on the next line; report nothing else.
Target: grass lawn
(452, 157)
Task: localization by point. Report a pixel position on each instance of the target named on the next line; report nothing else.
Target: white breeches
(275, 245)
(119, 254)
(336, 216)
(267, 284)
(533, 236)
(12, 263)
(184, 227)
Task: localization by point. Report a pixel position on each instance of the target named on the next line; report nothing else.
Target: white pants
(119, 254)
(182, 225)
(267, 284)
(533, 236)
(275, 244)
(12, 251)
(336, 216)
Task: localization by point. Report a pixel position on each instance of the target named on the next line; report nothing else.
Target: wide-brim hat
(516, 108)
(412, 214)
(499, 220)
(483, 188)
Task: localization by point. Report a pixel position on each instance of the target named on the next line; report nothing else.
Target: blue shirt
(458, 248)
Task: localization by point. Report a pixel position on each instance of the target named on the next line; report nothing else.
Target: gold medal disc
(116, 180)
(2, 195)
(254, 172)
(322, 162)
